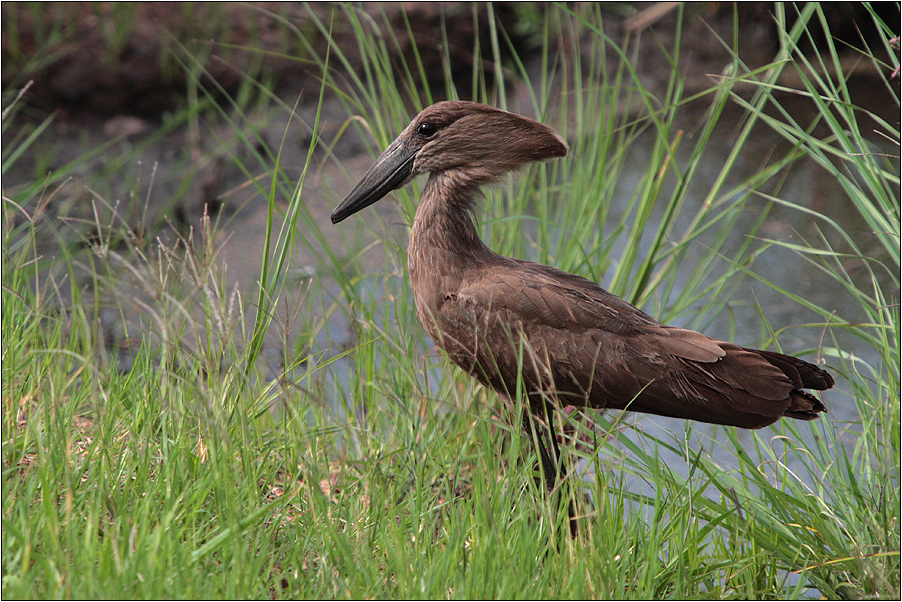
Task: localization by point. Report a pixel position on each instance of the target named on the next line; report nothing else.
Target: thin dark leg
(553, 467)
(548, 464)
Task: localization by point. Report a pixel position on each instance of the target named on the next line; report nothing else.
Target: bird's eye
(426, 130)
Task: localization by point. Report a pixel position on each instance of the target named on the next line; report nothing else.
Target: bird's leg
(552, 466)
(549, 466)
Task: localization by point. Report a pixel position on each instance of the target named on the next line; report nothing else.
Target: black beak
(390, 171)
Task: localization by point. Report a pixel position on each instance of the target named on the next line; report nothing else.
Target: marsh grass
(383, 472)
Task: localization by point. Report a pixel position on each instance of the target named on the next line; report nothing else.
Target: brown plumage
(571, 341)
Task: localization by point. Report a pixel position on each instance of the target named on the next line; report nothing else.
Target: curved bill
(391, 170)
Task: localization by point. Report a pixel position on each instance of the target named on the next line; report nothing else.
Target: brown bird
(567, 340)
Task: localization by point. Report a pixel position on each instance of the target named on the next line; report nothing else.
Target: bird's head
(470, 143)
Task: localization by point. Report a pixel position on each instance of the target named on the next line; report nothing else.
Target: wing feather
(565, 335)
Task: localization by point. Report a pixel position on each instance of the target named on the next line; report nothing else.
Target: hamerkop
(567, 340)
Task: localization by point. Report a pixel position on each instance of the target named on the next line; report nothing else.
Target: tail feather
(804, 406)
(748, 388)
(804, 375)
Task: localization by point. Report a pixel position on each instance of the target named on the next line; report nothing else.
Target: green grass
(385, 472)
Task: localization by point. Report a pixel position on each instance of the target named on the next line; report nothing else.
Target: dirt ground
(85, 64)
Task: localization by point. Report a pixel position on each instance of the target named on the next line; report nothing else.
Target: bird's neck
(444, 240)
